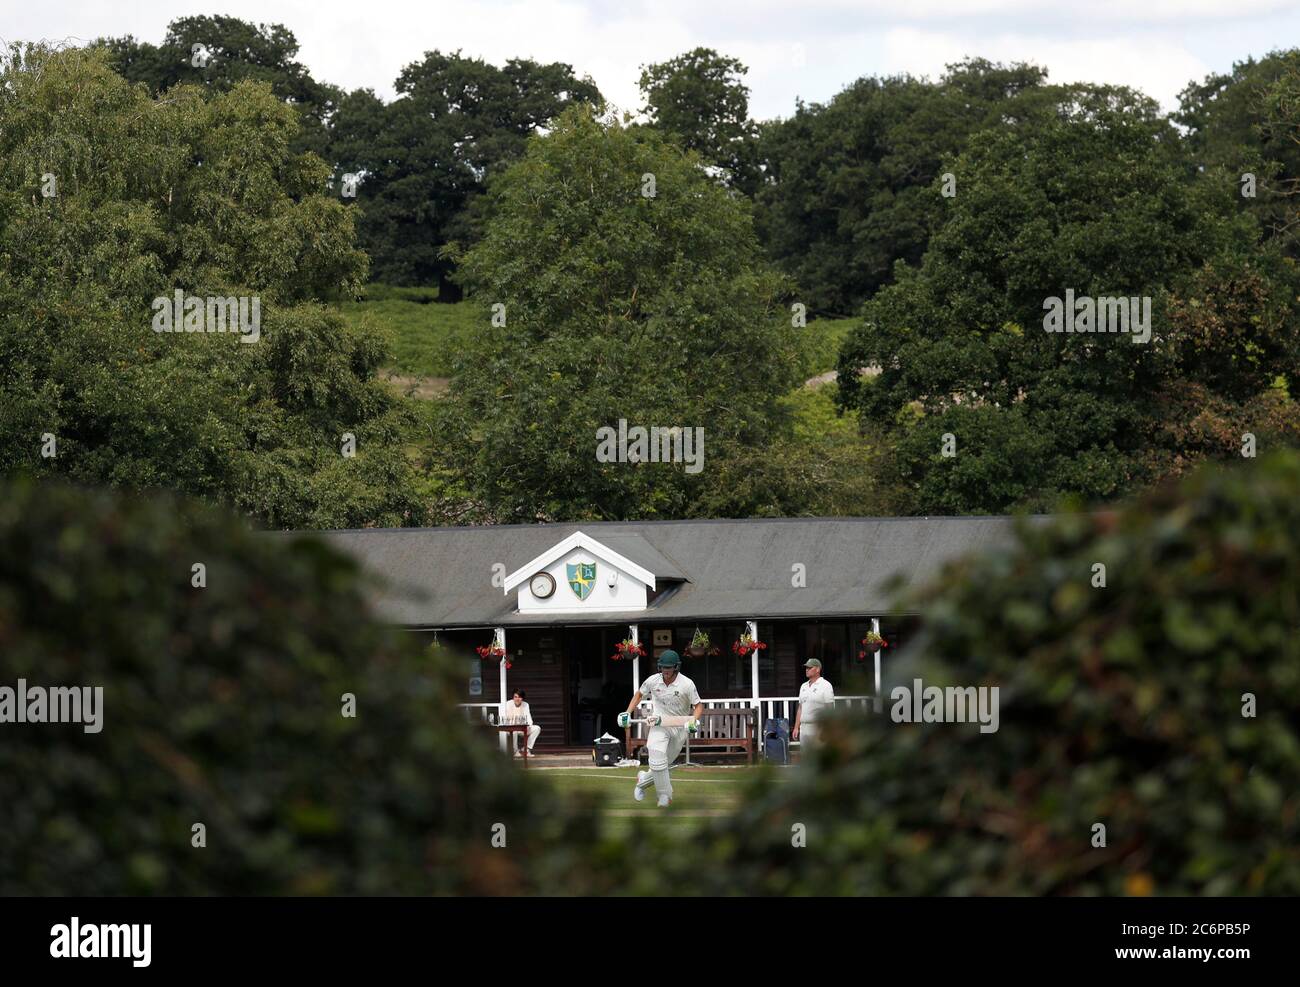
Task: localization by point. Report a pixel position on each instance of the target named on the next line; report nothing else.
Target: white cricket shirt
(678, 699)
(815, 698)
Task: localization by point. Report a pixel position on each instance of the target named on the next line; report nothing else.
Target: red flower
(876, 644)
(627, 649)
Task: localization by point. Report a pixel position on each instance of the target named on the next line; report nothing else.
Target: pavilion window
(713, 675)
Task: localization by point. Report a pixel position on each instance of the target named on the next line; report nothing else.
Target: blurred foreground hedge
(1119, 705)
(223, 707)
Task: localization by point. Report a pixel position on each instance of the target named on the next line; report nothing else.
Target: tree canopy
(220, 52)
(427, 157)
(199, 193)
(1233, 129)
(628, 285)
(951, 209)
(848, 189)
(700, 99)
(1084, 191)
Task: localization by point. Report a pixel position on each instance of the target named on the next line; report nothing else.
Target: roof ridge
(578, 525)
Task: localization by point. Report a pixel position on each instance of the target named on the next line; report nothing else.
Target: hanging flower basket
(872, 643)
(746, 644)
(492, 651)
(627, 648)
(700, 645)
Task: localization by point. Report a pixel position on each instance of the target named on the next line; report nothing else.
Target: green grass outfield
(699, 794)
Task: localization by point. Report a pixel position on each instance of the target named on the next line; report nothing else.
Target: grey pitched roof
(442, 577)
(636, 548)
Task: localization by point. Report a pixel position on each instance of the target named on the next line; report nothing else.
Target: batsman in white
(671, 694)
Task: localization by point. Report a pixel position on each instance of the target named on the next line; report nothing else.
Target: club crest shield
(582, 578)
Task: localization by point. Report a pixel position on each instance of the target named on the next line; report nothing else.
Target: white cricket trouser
(533, 731)
(663, 745)
(808, 734)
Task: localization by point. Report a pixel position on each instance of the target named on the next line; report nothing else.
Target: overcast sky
(809, 48)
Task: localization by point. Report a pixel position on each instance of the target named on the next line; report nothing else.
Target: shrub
(1120, 705)
(223, 707)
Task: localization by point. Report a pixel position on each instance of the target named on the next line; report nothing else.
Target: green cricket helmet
(670, 659)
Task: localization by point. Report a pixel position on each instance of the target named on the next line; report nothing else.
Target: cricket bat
(668, 721)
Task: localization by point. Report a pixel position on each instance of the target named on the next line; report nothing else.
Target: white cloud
(1155, 45)
(1156, 66)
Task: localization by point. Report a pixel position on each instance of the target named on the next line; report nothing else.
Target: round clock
(542, 585)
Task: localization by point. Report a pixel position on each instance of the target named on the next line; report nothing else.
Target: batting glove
(624, 719)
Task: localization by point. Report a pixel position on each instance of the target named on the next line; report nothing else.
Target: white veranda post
(636, 674)
(499, 641)
(751, 627)
(636, 661)
(877, 702)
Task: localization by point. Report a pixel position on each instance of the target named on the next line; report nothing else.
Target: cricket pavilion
(557, 600)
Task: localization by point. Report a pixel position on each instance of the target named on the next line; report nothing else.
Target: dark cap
(670, 659)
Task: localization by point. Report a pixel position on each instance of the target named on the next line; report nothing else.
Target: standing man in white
(516, 711)
(816, 697)
(671, 694)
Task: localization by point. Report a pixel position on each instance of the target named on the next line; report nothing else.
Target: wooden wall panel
(789, 676)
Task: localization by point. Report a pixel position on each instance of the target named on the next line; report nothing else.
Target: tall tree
(701, 100)
(427, 157)
(111, 199)
(848, 184)
(1085, 190)
(617, 299)
(1231, 131)
(220, 52)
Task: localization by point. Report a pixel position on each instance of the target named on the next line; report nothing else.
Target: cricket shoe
(638, 792)
(664, 801)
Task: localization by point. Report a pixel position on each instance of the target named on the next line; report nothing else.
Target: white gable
(617, 583)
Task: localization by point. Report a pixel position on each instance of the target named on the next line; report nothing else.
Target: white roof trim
(577, 540)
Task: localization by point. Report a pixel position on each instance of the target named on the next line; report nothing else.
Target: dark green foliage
(1085, 191)
(851, 186)
(428, 156)
(700, 100)
(236, 51)
(197, 192)
(1233, 128)
(1119, 705)
(657, 309)
(223, 706)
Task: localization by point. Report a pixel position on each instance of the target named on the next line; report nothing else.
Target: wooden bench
(725, 732)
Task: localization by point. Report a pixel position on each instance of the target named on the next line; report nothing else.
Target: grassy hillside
(425, 335)
(820, 343)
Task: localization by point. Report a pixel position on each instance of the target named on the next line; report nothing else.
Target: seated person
(516, 711)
